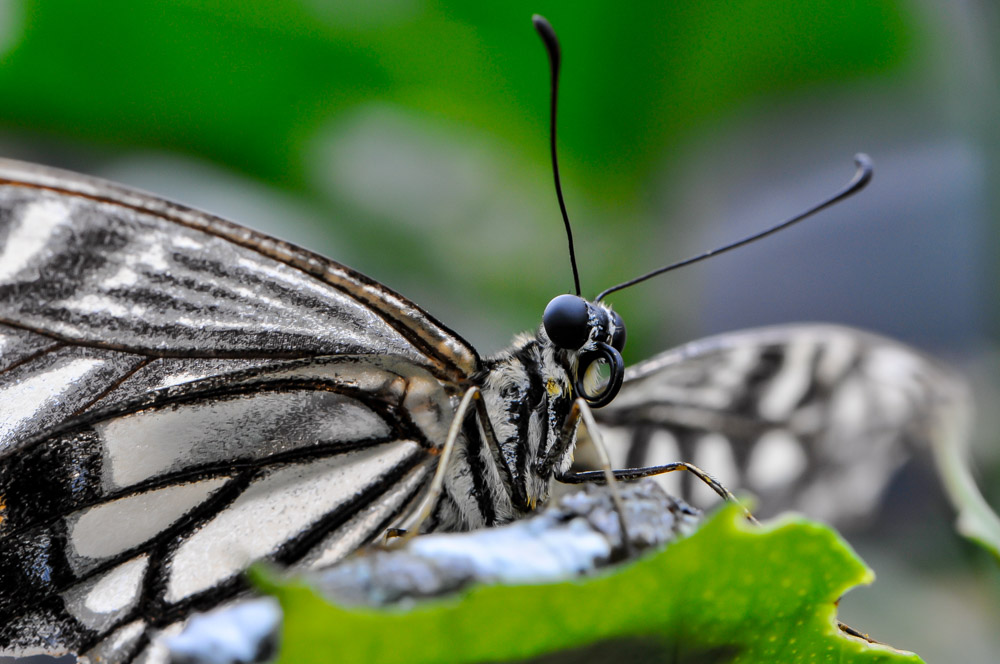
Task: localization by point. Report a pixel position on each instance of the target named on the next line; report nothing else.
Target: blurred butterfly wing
(182, 396)
(810, 417)
(98, 281)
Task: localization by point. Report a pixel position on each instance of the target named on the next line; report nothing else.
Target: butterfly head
(596, 336)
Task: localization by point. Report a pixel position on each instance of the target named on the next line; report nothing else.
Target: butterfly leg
(649, 471)
(581, 411)
(516, 491)
(413, 524)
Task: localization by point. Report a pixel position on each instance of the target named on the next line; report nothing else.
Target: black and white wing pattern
(180, 396)
(813, 417)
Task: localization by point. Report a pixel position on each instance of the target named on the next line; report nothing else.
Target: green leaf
(730, 592)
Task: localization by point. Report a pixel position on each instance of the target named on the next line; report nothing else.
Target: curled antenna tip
(865, 169)
(547, 33)
(862, 176)
(551, 43)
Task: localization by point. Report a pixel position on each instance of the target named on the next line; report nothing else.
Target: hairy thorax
(528, 396)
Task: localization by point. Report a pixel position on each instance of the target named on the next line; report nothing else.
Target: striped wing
(181, 396)
(120, 525)
(809, 417)
(101, 286)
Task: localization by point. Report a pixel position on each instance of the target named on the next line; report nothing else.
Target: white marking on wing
(895, 366)
(663, 449)
(30, 235)
(849, 408)
(849, 494)
(739, 362)
(838, 354)
(154, 255)
(714, 455)
(273, 510)
(185, 242)
(281, 325)
(125, 276)
(117, 642)
(777, 459)
(793, 380)
(178, 379)
(118, 588)
(127, 634)
(617, 441)
(704, 396)
(98, 304)
(108, 529)
(362, 525)
(146, 444)
(26, 398)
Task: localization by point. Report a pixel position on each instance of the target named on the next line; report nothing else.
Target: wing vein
(33, 356)
(306, 262)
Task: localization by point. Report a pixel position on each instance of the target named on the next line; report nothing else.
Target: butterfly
(183, 396)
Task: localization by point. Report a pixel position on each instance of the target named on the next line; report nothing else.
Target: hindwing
(812, 417)
(130, 518)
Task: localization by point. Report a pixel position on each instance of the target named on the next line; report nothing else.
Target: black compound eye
(618, 338)
(566, 321)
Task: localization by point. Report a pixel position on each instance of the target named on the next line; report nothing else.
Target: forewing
(182, 396)
(101, 285)
(810, 417)
(123, 522)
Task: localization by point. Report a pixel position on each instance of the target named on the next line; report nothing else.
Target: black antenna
(861, 178)
(548, 36)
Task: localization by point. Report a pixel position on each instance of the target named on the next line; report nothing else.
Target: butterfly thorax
(527, 391)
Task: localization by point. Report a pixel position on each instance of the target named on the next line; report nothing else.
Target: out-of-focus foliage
(728, 593)
(428, 120)
(250, 85)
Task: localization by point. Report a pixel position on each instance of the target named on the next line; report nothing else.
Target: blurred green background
(408, 139)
